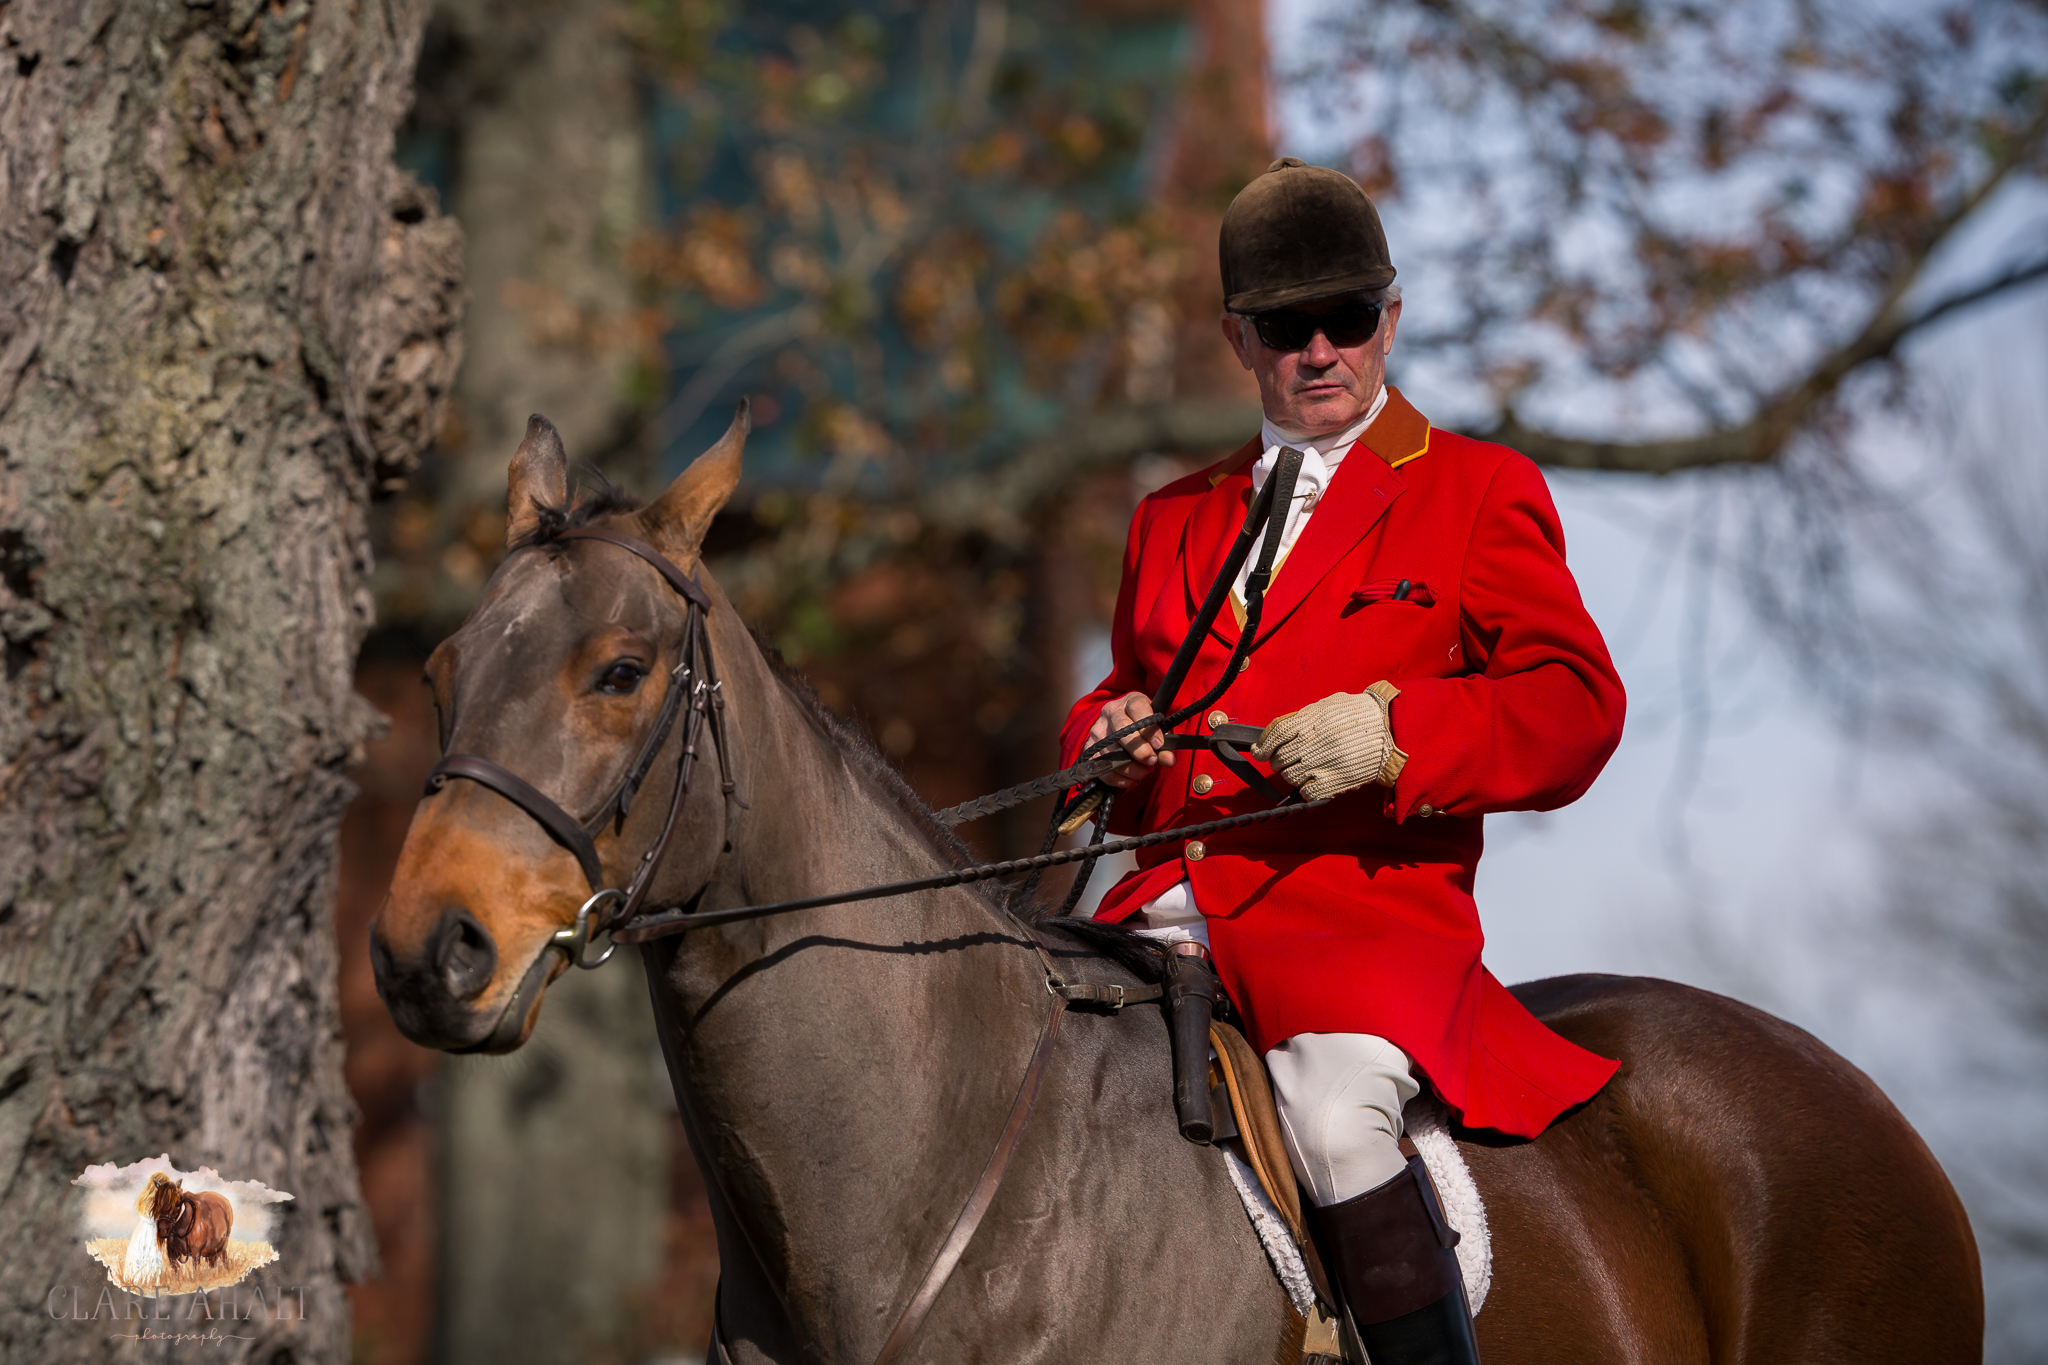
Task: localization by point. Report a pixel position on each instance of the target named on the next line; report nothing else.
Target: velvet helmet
(1300, 232)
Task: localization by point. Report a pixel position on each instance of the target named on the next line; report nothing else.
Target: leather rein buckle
(1224, 741)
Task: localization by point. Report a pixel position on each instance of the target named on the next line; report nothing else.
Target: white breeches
(1340, 1095)
(1340, 1098)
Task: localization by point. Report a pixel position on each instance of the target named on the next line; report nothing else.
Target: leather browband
(677, 579)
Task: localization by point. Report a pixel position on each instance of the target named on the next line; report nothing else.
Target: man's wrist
(1396, 760)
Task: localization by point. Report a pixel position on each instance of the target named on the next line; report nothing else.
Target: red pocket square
(1410, 590)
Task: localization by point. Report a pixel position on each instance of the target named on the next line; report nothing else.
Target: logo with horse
(158, 1230)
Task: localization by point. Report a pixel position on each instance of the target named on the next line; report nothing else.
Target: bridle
(694, 691)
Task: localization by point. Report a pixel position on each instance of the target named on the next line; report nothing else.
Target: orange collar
(1399, 434)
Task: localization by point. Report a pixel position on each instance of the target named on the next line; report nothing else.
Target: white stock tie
(1308, 491)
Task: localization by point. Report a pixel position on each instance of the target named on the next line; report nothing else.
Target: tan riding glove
(1330, 746)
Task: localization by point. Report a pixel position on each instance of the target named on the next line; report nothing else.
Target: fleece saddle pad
(1257, 1160)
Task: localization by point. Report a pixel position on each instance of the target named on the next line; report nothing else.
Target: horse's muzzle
(510, 1031)
(432, 993)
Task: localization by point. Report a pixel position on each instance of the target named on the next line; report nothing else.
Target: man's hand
(1334, 745)
(1143, 745)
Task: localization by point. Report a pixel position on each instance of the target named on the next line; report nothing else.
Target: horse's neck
(838, 1063)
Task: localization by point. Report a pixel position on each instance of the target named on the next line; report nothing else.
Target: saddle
(1248, 1122)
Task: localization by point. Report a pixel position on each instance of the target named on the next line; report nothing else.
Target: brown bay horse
(190, 1227)
(1738, 1193)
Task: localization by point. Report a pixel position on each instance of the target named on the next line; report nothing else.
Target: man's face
(1320, 388)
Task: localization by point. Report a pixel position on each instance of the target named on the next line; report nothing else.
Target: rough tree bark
(225, 320)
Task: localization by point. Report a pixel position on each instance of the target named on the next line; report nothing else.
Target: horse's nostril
(464, 954)
(382, 965)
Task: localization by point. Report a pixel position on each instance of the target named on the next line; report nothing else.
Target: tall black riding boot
(1390, 1251)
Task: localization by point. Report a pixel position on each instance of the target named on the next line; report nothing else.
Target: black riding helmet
(1300, 232)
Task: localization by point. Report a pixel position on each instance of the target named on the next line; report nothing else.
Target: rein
(694, 691)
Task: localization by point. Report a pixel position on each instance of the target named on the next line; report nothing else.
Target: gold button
(1425, 810)
(1196, 850)
(1217, 718)
(1203, 783)
(1244, 663)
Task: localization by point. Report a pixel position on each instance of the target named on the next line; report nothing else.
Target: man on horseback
(1423, 658)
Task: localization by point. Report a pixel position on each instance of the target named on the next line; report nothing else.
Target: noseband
(694, 690)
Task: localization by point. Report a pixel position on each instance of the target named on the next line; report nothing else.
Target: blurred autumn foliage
(961, 256)
(937, 247)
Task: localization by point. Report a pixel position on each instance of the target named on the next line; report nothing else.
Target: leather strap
(718, 1355)
(683, 919)
(1111, 998)
(621, 803)
(1222, 742)
(677, 579)
(1052, 784)
(516, 789)
(978, 1202)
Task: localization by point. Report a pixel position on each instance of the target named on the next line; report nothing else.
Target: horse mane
(145, 1203)
(1140, 956)
(860, 752)
(550, 520)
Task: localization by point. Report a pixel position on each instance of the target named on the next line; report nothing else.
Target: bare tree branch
(1764, 436)
(998, 503)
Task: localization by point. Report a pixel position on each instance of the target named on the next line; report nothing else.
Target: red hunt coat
(1358, 917)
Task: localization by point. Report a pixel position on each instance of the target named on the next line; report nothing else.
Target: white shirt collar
(1320, 456)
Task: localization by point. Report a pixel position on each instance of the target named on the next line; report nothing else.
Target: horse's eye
(621, 678)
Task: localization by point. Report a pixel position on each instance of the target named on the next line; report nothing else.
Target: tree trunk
(225, 320)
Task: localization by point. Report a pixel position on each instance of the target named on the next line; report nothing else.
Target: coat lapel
(1210, 531)
(1364, 487)
(1352, 505)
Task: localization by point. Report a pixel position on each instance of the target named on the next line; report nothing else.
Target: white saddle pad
(1463, 1208)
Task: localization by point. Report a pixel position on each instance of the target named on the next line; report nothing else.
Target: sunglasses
(1347, 325)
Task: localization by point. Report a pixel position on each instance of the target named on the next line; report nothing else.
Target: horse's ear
(539, 476)
(677, 520)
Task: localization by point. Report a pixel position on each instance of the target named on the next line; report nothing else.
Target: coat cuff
(1397, 758)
